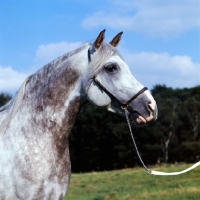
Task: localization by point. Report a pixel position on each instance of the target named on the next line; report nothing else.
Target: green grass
(135, 184)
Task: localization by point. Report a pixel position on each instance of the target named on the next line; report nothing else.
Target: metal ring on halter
(124, 106)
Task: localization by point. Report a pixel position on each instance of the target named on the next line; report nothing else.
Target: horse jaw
(97, 97)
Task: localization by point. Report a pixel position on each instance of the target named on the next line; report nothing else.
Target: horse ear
(115, 41)
(98, 42)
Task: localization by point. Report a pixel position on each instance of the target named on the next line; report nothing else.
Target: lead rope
(129, 125)
(152, 172)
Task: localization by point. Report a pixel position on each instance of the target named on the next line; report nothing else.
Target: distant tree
(4, 98)
(167, 101)
(191, 109)
(179, 114)
(189, 113)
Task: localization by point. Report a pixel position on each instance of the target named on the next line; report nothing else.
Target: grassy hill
(136, 184)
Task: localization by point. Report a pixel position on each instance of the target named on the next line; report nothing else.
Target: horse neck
(53, 97)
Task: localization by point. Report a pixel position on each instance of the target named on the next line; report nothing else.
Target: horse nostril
(151, 107)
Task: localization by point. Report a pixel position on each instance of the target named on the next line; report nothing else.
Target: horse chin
(138, 119)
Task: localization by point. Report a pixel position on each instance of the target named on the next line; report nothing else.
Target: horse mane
(13, 105)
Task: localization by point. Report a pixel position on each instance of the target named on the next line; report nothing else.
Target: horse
(35, 125)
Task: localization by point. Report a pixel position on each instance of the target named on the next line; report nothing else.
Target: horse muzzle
(143, 110)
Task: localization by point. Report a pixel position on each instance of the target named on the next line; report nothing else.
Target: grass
(135, 184)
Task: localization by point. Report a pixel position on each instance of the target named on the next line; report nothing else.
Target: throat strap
(153, 172)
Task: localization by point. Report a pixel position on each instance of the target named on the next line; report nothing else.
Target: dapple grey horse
(35, 125)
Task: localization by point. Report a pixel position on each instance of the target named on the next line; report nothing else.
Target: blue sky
(161, 40)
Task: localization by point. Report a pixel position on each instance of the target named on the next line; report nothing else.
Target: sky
(160, 42)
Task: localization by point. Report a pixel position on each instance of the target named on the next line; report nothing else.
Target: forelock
(105, 52)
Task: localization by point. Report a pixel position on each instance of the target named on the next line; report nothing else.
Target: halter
(123, 105)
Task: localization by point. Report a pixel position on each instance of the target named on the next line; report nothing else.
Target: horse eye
(110, 68)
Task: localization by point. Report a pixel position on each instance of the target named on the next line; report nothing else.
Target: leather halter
(123, 105)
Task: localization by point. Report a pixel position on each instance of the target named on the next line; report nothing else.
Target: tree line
(101, 140)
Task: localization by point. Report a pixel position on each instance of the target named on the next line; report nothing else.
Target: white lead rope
(153, 172)
(173, 173)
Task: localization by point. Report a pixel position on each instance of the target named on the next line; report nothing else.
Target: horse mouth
(138, 119)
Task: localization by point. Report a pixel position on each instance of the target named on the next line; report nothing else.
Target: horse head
(110, 83)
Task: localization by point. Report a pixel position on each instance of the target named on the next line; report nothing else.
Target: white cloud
(161, 68)
(154, 18)
(10, 80)
(47, 53)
